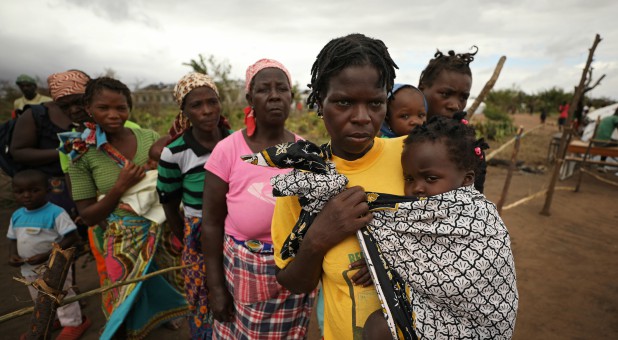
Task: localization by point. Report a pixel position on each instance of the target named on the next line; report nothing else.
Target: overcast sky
(546, 42)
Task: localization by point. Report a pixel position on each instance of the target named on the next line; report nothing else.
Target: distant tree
(507, 100)
(552, 98)
(109, 72)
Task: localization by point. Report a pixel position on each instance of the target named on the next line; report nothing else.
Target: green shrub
(497, 125)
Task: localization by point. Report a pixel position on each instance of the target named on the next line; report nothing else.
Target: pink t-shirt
(250, 201)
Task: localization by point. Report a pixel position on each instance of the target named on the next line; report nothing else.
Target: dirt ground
(566, 263)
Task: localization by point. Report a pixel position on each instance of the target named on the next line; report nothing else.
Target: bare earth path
(567, 263)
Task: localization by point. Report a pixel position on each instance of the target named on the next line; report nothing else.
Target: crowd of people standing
(188, 199)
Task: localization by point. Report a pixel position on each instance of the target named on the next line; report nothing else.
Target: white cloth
(143, 198)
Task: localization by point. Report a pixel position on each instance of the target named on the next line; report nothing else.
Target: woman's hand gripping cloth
(315, 181)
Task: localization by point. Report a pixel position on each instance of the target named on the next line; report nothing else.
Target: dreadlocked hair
(352, 50)
(450, 62)
(460, 140)
(96, 85)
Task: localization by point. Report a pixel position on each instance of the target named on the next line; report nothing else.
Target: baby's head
(30, 188)
(440, 156)
(154, 154)
(407, 109)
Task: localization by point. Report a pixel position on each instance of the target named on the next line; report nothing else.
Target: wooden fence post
(563, 141)
(488, 86)
(509, 175)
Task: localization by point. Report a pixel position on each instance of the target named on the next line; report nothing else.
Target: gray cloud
(545, 43)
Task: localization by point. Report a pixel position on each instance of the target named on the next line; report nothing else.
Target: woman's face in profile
(73, 106)
(353, 110)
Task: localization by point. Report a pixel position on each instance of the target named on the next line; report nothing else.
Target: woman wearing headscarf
(198, 127)
(36, 144)
(110, 161)
(246, 300)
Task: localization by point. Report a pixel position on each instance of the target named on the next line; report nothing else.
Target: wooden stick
(488, 86)
(533, 196)
(505, 145)
(563, 141)
(598, 177)
(50, 287)
(509, 174)
(71, 299)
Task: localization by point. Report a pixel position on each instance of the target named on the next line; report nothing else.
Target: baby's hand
(129, 176)
(126, 207)
(15, 261)
(38, 259)
(362, 276)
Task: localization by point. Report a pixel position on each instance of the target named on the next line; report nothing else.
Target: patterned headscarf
(185, 85)
(251, 72)
(67, 83)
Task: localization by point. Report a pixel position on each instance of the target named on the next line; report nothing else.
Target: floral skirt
(135, 246)
(200, 319)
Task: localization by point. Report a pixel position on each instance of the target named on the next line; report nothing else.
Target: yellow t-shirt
(20, 102)
(346, 307)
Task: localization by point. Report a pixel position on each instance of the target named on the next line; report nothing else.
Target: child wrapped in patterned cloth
(442, 264)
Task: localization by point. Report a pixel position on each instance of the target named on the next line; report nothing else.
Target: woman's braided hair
(351, 50)
(460, 140)
(450, 62)
(97, 85)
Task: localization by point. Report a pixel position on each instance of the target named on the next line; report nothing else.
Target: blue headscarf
(385, 129)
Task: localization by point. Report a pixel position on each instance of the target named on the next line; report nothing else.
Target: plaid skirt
(263, 308)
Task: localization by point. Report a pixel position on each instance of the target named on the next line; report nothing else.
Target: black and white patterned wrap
(452, 250)
(455, 252)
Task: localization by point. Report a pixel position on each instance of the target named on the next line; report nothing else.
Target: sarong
(96, 238)
(133, 246)
(200, 318)
(263, 309)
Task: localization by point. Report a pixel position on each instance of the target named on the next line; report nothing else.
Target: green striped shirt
(181, 173)
(95, 173)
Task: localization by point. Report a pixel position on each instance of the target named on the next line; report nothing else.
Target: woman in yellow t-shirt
(350, 81)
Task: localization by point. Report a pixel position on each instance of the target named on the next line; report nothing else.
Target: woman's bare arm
(213, 223)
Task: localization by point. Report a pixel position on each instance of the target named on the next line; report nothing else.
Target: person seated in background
(27, 86)
(605, 130)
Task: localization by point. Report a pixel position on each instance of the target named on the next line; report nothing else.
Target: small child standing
(32, 230)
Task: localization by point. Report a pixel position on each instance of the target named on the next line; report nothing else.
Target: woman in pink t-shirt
(244, 294)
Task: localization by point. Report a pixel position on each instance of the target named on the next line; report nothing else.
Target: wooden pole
(533, 196)
(50, 292)
(509, 174)
(488, 86)
(563, 141)
(28, 310)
